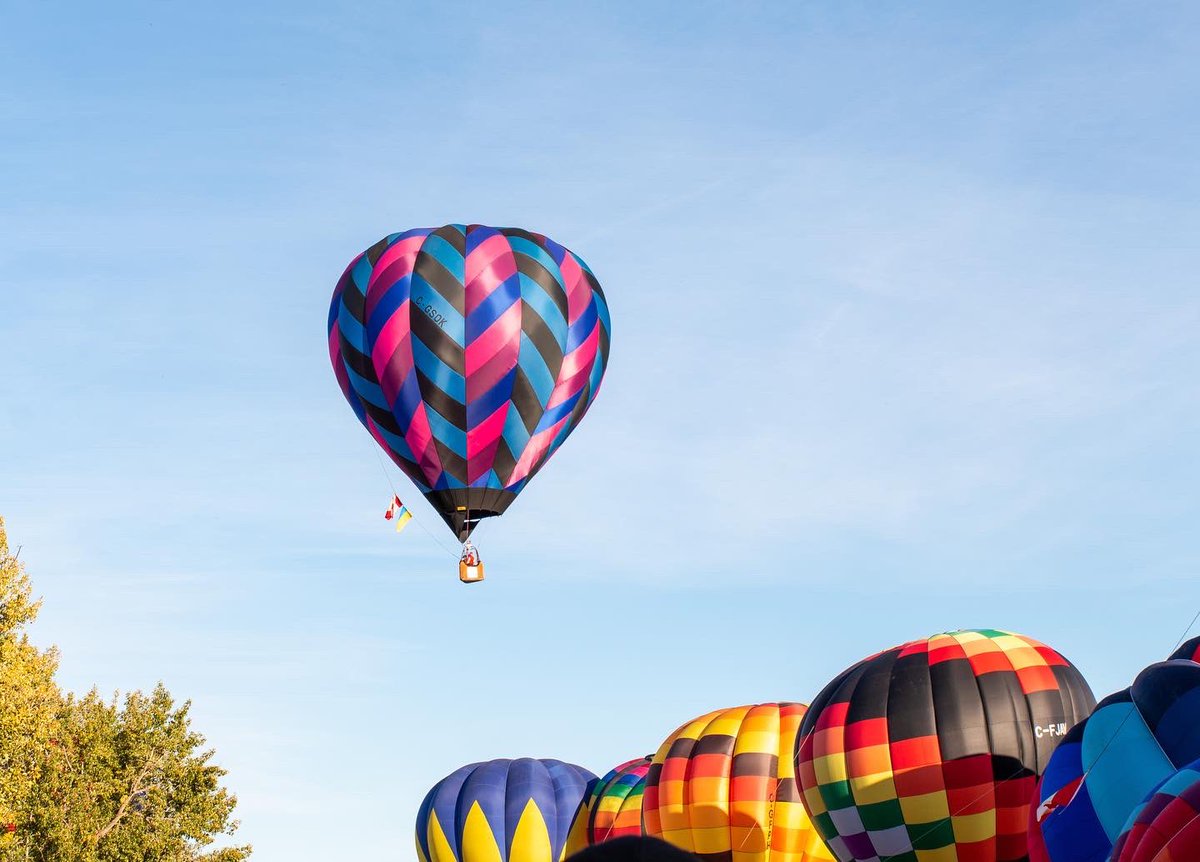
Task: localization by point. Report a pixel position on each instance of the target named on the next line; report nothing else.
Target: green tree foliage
(29, 699)
(92, 780)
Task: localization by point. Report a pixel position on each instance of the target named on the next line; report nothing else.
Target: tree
(85, 779)
(131, 781)
(29, 699)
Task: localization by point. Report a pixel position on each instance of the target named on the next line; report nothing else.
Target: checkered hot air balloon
(723, 787)
(470, 353)
(1166, 826)
(929, 751)
(614, 807)
(1107, 765)
(521, 810)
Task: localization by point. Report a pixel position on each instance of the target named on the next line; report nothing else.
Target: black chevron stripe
(447, 407)
(529, 408)
(544, 279)
(543, 339)
(442, 280)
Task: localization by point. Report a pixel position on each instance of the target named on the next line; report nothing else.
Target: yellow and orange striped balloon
(724, 787)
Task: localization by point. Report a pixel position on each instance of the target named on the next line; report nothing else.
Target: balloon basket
(470, 574)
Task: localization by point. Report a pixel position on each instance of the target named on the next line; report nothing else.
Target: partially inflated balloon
(615, 805)
(470, 353)
(930, 750)
(1166, 827)
(503, 811)
(723, 786)
(1188, 650)
(1105, 767)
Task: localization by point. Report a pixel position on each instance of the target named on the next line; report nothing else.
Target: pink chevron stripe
(482, 441)
(579, 292)
(576, 369)
(420, 440)
(505, 332)
(487, 266)
(534, 450)
(491, 375)
(395, 263)
(391, 353)
(335, 357)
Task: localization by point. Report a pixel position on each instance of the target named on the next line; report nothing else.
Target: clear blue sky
(905, 317)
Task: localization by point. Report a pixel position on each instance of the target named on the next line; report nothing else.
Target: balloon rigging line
(1183, 636)
(396, 495)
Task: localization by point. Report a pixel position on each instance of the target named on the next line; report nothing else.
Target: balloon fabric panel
(503, 811)
(614, 807)
(930, 750)
(1166, 826)
(469, 353)
(1132, 741)
(1188, 650)
(723, 786)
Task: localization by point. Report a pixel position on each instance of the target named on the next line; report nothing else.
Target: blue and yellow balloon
(521, 810)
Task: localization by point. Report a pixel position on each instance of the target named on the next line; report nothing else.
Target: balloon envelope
(1166, 826)
(723, 786)
(930, 750)
(470, 353)
(503, 811)
(1188, 650)
(615, 805)
(1109, 763)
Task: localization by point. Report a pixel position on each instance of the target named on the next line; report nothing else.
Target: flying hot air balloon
(723, 787)
(930, 750)
(521, 810)
(470, 353)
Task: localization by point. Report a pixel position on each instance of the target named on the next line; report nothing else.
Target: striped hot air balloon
(930, 750)
(1133, 740)
(615, 805)
(1166, 826)
(470, 353)
(504, 811)
(723, 786)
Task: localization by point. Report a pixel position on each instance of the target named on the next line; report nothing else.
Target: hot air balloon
(930, 750)
(503, 811)
(1109, 763)
(723, 787)
(470, 353)
(614, 808)
(1166, 826)
(1188, 650)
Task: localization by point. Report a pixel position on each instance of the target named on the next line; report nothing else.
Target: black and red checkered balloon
(931, 750)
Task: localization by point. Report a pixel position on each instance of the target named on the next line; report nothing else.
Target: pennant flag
(1061, 799)
(400, 512)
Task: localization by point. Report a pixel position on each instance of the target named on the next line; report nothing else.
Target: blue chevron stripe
(536, 370)
(368, 390)
(515, 436)
(488, 480)
(393, 296)
(485, 405)
(555, 413)
(594, 379)
(445, 254)
(424, 294)
(489, 311)
(581, 328)
(540, 301)
(454, 439)
(408, 399)
(440, 374)
(477, 235)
